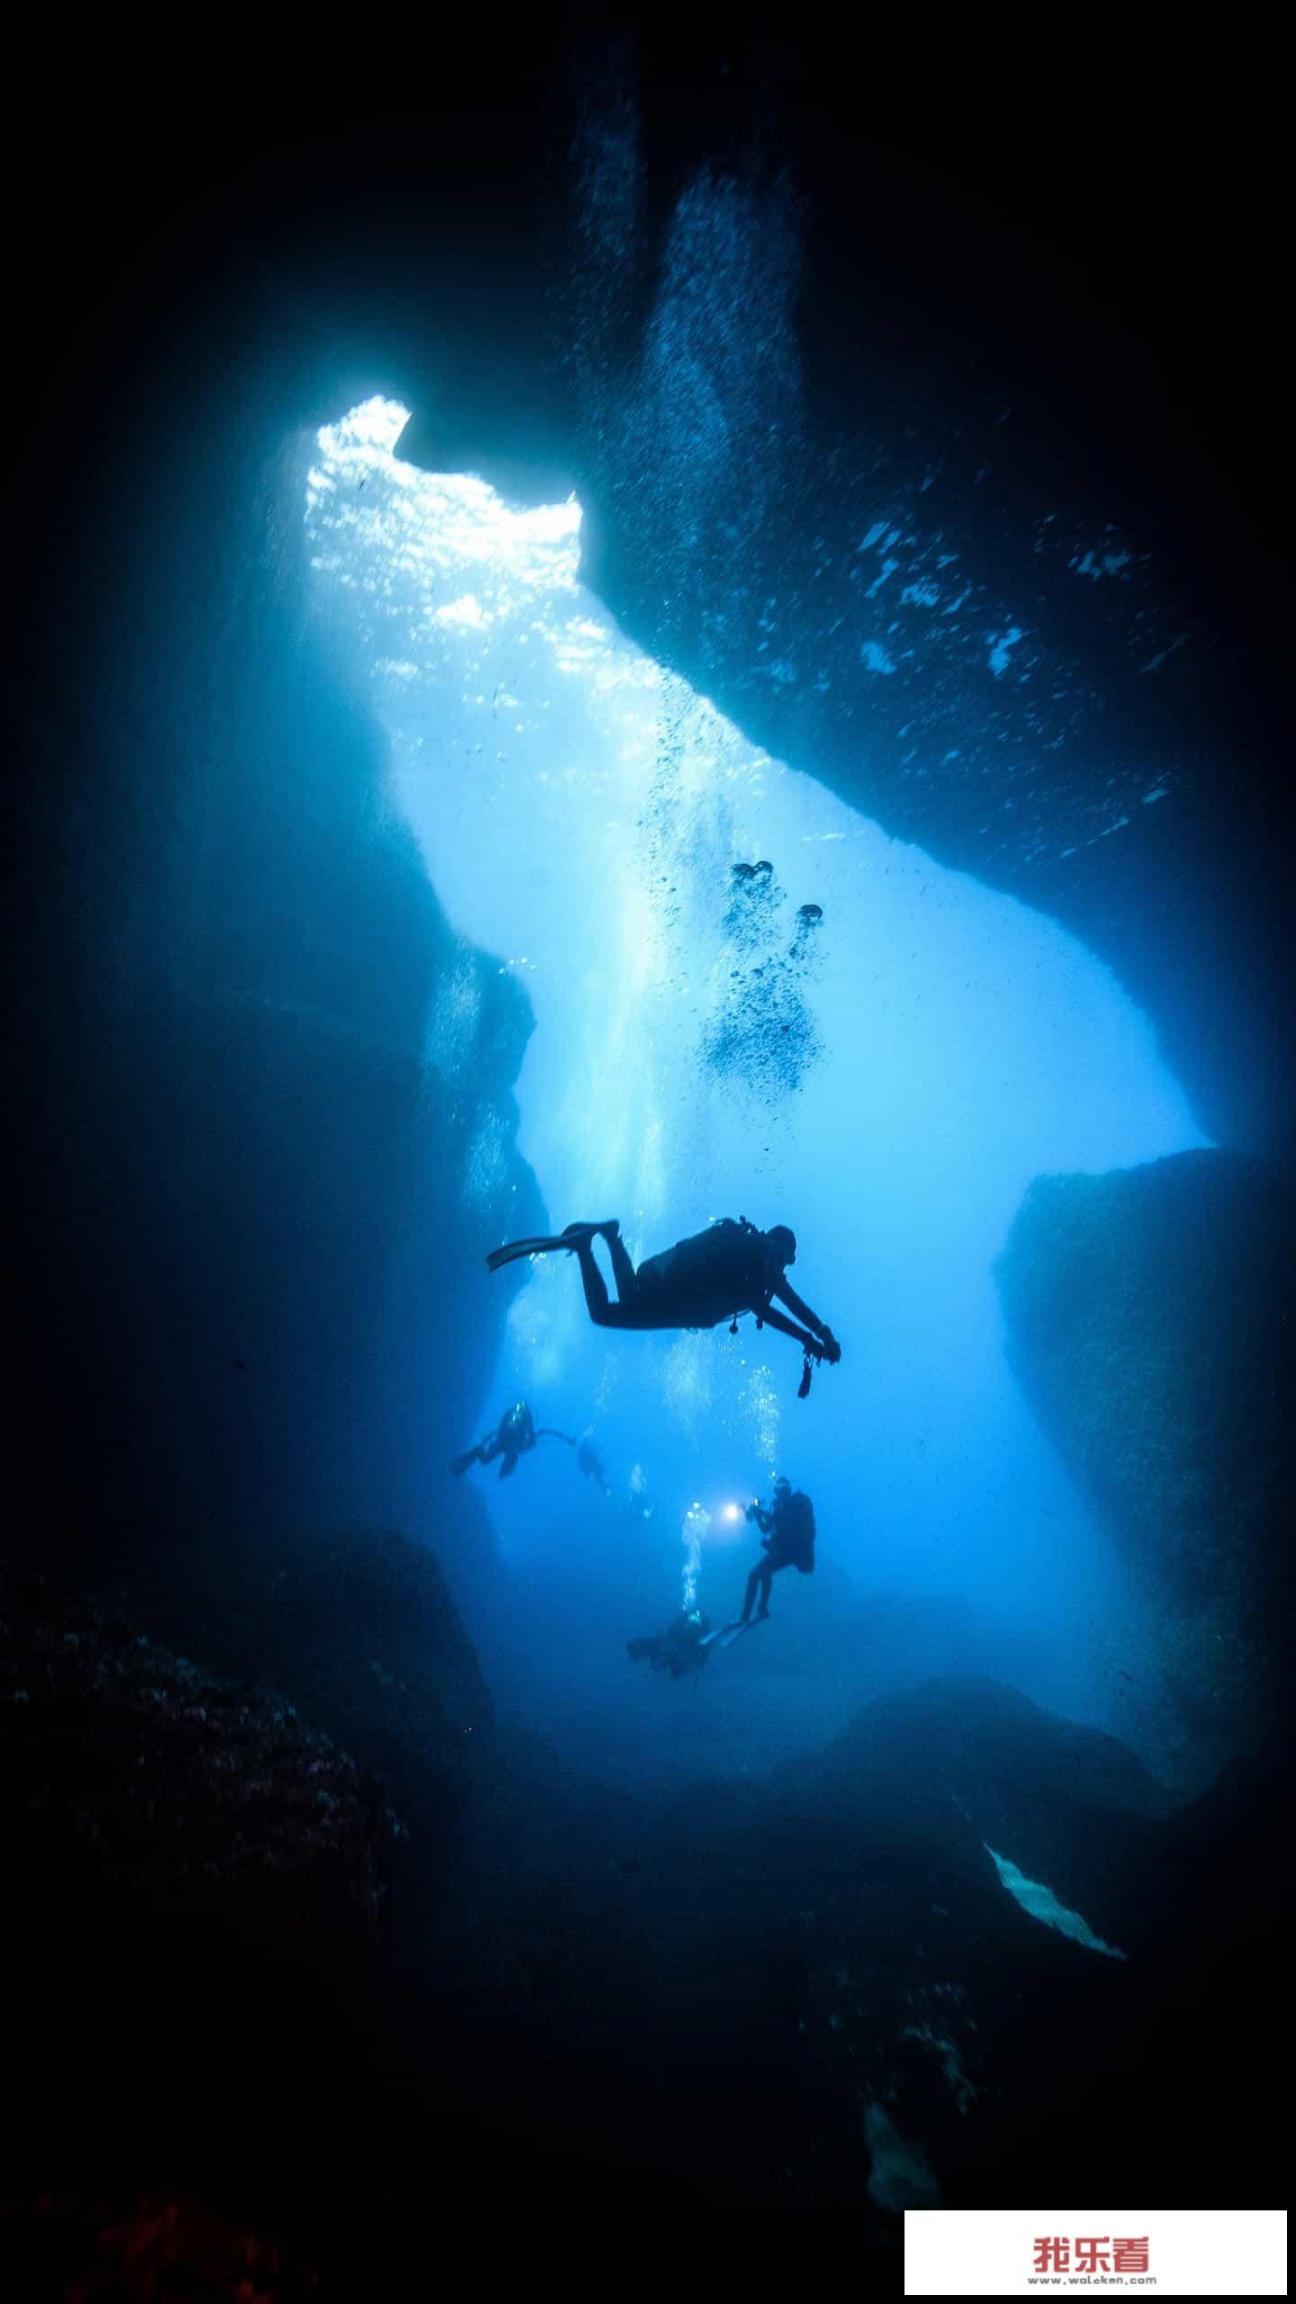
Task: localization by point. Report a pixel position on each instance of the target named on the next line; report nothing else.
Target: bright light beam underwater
(748, 1001)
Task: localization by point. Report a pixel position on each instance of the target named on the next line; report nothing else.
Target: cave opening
(743, 998)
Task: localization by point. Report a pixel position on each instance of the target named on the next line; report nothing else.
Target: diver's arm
(821, 1329)
(788, 1294)
(803, 1337)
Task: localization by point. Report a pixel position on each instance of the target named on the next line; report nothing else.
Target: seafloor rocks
(128, 1769)
(860, 1971)
(358, 1628)
(1148, 1321)
(1056, 1796)
(999, 1927)
(198, 1889)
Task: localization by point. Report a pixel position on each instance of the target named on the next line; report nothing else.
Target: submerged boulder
(1147, 1314)
(961, 1896)
(131, 1773)
(1002, 1927)
(357, 1627)
(980, 1777)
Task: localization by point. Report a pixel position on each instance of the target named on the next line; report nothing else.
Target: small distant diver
(715, 1275)
(682, 1648)
(589, 1461)
(787, 1526)
(515, 1435)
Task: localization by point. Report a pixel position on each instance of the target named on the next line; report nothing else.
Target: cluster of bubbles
(697, 1523)
(760, 1029)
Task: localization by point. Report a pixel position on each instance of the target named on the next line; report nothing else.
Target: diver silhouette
(715, 1275)
(787, 1527)
(683, 1647)
(589, 1461)
(514, 1436)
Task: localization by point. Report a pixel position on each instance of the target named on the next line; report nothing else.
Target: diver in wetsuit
(715, 1275)
(514, 1436)
(787, 1527)
(681, 1648)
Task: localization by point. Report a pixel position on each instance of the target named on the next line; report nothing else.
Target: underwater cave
(637, 638)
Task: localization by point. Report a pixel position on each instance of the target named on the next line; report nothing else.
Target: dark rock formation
(358, 1629)
(804, 1995)
(890, 582)
(815, 1993)
(1044, 1791)
(212, 1923)
(243, 1188)
(900, 548)
(129, 1771)
(1148, 1318)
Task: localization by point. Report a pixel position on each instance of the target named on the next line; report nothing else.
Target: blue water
(887, 1078)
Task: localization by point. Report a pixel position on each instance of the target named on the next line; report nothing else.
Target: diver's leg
(764, 1577)
(623, 1271)
(592, 1280)
(750, 1594)
(579, 1238)
(602, 1311)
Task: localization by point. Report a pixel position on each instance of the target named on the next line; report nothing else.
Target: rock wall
(132, 1773)
(1148, 1315)
(878, 474)
(249, 1291)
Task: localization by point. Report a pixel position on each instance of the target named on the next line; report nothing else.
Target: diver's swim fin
(573, 1238)
(728, 1633)
(460, 1464)
(513, 1252)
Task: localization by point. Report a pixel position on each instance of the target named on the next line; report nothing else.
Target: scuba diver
(715, 1275)
(787, 1527)
(683, 1647)
(589, 1461)
(514, 1436)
